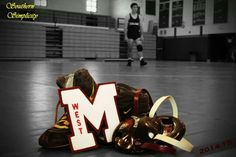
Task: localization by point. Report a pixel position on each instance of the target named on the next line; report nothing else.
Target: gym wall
(195, 42)
(79, 6)
(208, 28)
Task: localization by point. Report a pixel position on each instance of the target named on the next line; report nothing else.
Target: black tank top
(133, 26)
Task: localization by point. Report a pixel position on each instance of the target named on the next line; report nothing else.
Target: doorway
(219, 47)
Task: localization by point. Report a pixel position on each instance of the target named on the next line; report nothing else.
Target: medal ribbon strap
(183, 143)
(160, 101)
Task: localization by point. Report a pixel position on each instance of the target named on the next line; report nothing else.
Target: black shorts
(133, 36)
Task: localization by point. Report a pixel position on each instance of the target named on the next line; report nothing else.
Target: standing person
(134, 34)
(233, 49)
(231, 45)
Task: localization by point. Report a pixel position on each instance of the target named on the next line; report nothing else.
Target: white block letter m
(84, 113)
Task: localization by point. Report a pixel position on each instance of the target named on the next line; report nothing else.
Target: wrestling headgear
(157, 133)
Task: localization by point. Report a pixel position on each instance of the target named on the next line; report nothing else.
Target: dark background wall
(183, 48)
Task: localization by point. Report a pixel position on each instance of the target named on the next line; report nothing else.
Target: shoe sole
(66, 145)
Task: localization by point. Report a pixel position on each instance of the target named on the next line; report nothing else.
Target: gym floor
(204, 92)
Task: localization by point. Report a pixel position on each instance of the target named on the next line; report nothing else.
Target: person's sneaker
(142, 62)
(129, 62)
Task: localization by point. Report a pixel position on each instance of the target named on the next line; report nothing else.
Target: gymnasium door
(218, 47)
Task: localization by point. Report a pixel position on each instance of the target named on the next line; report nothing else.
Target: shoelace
(62, 123)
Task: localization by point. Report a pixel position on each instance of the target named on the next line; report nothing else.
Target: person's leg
(140, 51)
(130, 55)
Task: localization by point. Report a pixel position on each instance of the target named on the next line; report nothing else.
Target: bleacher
(58, 34)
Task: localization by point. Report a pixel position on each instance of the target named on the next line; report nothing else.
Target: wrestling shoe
(57, 136)
(129, 62)
(142, 62)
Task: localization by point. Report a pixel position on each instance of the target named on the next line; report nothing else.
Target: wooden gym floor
(204, 92)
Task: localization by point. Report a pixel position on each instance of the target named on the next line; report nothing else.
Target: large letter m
(83, 112)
